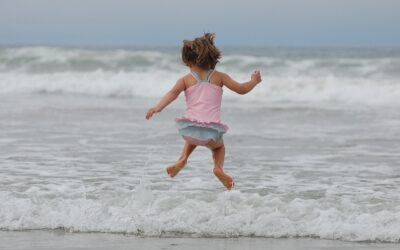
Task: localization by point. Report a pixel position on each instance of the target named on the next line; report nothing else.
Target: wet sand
(59, 239)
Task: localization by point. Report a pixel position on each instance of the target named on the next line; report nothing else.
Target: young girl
(201, 123)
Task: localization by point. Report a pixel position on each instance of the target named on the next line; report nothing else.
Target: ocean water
(314, 149)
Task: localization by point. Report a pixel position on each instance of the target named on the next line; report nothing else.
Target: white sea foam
(143, 84)
(171, 213)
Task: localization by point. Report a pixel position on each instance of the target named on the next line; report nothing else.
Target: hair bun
(210, 37)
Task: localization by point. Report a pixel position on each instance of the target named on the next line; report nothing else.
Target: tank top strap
(209, 73)
(196, 76)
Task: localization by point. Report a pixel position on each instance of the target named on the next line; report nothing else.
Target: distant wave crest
(308, 78)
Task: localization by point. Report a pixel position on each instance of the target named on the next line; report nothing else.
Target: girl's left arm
(168, 98)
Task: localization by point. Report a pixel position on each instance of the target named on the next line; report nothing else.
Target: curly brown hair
(201, 52)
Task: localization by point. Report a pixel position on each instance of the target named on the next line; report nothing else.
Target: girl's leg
(175, 168)
(218, 151)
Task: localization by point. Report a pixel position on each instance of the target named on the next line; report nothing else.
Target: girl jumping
(201, 124)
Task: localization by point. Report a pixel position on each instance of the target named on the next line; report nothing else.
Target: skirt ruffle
(200, 133)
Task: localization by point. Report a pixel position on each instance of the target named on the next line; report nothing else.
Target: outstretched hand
(151, 112)
(256, 76)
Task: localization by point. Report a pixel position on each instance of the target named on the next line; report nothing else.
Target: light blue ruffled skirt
(197, 133)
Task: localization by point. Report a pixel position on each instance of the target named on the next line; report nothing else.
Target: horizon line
(161, 46)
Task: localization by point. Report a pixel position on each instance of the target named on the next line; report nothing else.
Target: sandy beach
(58, 239)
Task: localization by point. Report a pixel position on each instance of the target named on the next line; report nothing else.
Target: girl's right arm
(168, 98)
(243, 88)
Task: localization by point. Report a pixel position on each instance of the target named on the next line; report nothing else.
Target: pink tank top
(203, 101)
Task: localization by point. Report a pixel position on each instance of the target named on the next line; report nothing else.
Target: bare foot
(174, 169)
(226, 180)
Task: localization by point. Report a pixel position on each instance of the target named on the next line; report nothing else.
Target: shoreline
(60, 239)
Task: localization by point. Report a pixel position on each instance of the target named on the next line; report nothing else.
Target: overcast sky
(168, 22)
